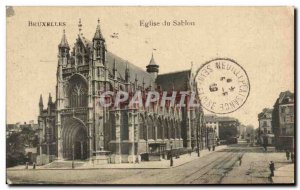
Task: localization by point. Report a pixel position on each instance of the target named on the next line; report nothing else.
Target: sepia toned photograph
(111, 95)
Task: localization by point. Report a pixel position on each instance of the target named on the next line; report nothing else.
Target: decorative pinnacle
(64, 42)
(41, 100)
(80, 26)
(98, 34)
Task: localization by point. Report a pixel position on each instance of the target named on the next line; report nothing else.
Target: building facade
(211, 121)
(283, 121)
(77, 126)
(266, 135)
(226, 129)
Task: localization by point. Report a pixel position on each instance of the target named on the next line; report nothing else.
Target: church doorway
(75, 140)
(80, 145)
(80, 150)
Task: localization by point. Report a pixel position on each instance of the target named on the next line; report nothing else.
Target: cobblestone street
(218, 167)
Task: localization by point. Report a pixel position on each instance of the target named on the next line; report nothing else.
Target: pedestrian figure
(26, 166)
(208, 148)
(292, 157)
(214, 147)
(33, 166)
(287, 153)
(272, 168)
(240, 160)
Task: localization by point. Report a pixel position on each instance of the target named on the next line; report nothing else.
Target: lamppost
(197, 140)
(171, 153)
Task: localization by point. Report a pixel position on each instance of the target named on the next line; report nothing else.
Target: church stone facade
(76, 126)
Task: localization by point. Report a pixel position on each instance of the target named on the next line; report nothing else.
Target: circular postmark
(223, 85)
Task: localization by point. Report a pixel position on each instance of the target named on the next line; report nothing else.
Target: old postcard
(150, 95)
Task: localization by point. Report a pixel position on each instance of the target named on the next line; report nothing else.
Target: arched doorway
(80, 145)
(75, 141)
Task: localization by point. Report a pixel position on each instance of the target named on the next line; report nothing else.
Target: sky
(260, 39)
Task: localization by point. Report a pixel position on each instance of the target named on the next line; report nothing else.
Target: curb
(95, 168)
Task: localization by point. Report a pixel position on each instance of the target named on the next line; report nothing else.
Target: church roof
(134, 71)
(177, 80)
(86, 42)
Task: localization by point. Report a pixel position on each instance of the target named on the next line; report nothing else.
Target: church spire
(41, 105)
(152, 67)
(41, 101)
(152, 61)
(50, 99)
(98, 34)
(64, 42)
(127, 73)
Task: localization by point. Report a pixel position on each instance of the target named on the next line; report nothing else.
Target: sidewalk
(284, 174)
(164, 164)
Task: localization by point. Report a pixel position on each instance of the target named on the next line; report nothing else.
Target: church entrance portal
(75, 141)
(80, 145)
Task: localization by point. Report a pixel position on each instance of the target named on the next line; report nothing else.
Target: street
(220, 167)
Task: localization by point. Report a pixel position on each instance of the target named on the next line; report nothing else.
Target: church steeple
(41, 105)
(152, 67)
(64, 42)
(63, 49)
(49, 103)
(50, 99)
(98, 33)
(99, 45)
(41, 101)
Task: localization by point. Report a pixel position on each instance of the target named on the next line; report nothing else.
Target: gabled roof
(135, 71)
(284, 95)
(266, 113)
(177, 80)
(87, 43)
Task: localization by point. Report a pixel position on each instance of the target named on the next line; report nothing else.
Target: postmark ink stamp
(223, 85)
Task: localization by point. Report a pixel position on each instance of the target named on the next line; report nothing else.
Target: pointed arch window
(79, 58)
(78, 95)
(77, 92)
(98, 52)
